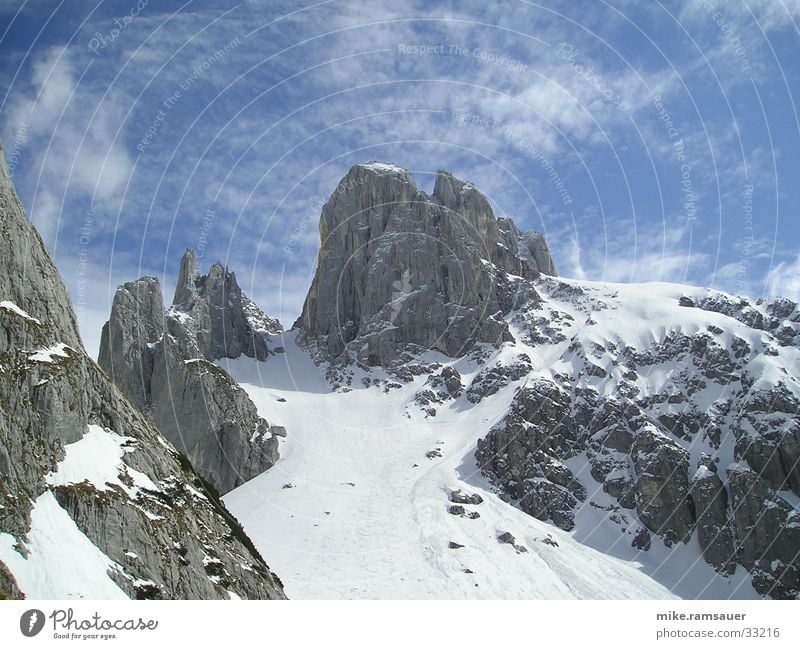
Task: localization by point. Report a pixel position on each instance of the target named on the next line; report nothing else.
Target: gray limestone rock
(775, 451)
(163, 363)
(636, 438)
(128, 340)
(767, 534)
(397, 268)
(641, 539)
(622, 489)
(662, 486)
(534, 249)
(8, 585)
(50, 392)
(201, 409)
(492, 379)
(463, 498)
(524, 454)
(225, 322)
(546, 500)
(25, 265)
(506, 537)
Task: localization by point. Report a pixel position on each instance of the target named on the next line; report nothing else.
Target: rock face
(24, 266)
(160, 535)
(163, 362)
(713, 523)
(128, 339)
(644, 427)
(767, 534)
(662, 485)
(399, 269)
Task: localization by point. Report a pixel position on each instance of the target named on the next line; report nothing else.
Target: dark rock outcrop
(662, 486)
(714, 530)
(8, 585)
(767, 534)
(524, 455)
(635, 433)
(462, 498)
(768, 436)
(779, 316)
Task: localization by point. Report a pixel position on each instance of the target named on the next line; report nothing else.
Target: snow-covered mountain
(360, 504)
(602, 440)
(462, 423)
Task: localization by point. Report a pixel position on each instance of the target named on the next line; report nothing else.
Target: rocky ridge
(162, 360)
(692, 429)
(143, 518)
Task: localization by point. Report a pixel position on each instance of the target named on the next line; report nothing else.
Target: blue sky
(648, 140)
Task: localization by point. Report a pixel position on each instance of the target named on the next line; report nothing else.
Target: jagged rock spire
(128, 337)
(185, 289)
(224, 320)
(164, 364)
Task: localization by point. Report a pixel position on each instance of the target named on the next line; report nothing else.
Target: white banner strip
(486, 624)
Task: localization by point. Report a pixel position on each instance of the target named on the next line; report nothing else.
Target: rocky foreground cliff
(94, 502)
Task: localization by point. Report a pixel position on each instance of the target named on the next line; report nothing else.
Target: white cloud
(268, 166)
(72, 140)
(783, 280)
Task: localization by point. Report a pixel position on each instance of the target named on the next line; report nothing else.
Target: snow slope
(358, 508)
(59, 561)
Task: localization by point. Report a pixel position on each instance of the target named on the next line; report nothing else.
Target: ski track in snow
(387, 536)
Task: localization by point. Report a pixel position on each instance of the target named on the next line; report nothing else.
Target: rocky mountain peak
(185, 289)
(400, 270)
(225, 322)
(127, 339)
(461, 196)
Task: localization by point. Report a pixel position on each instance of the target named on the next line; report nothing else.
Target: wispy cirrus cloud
(551, 111)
